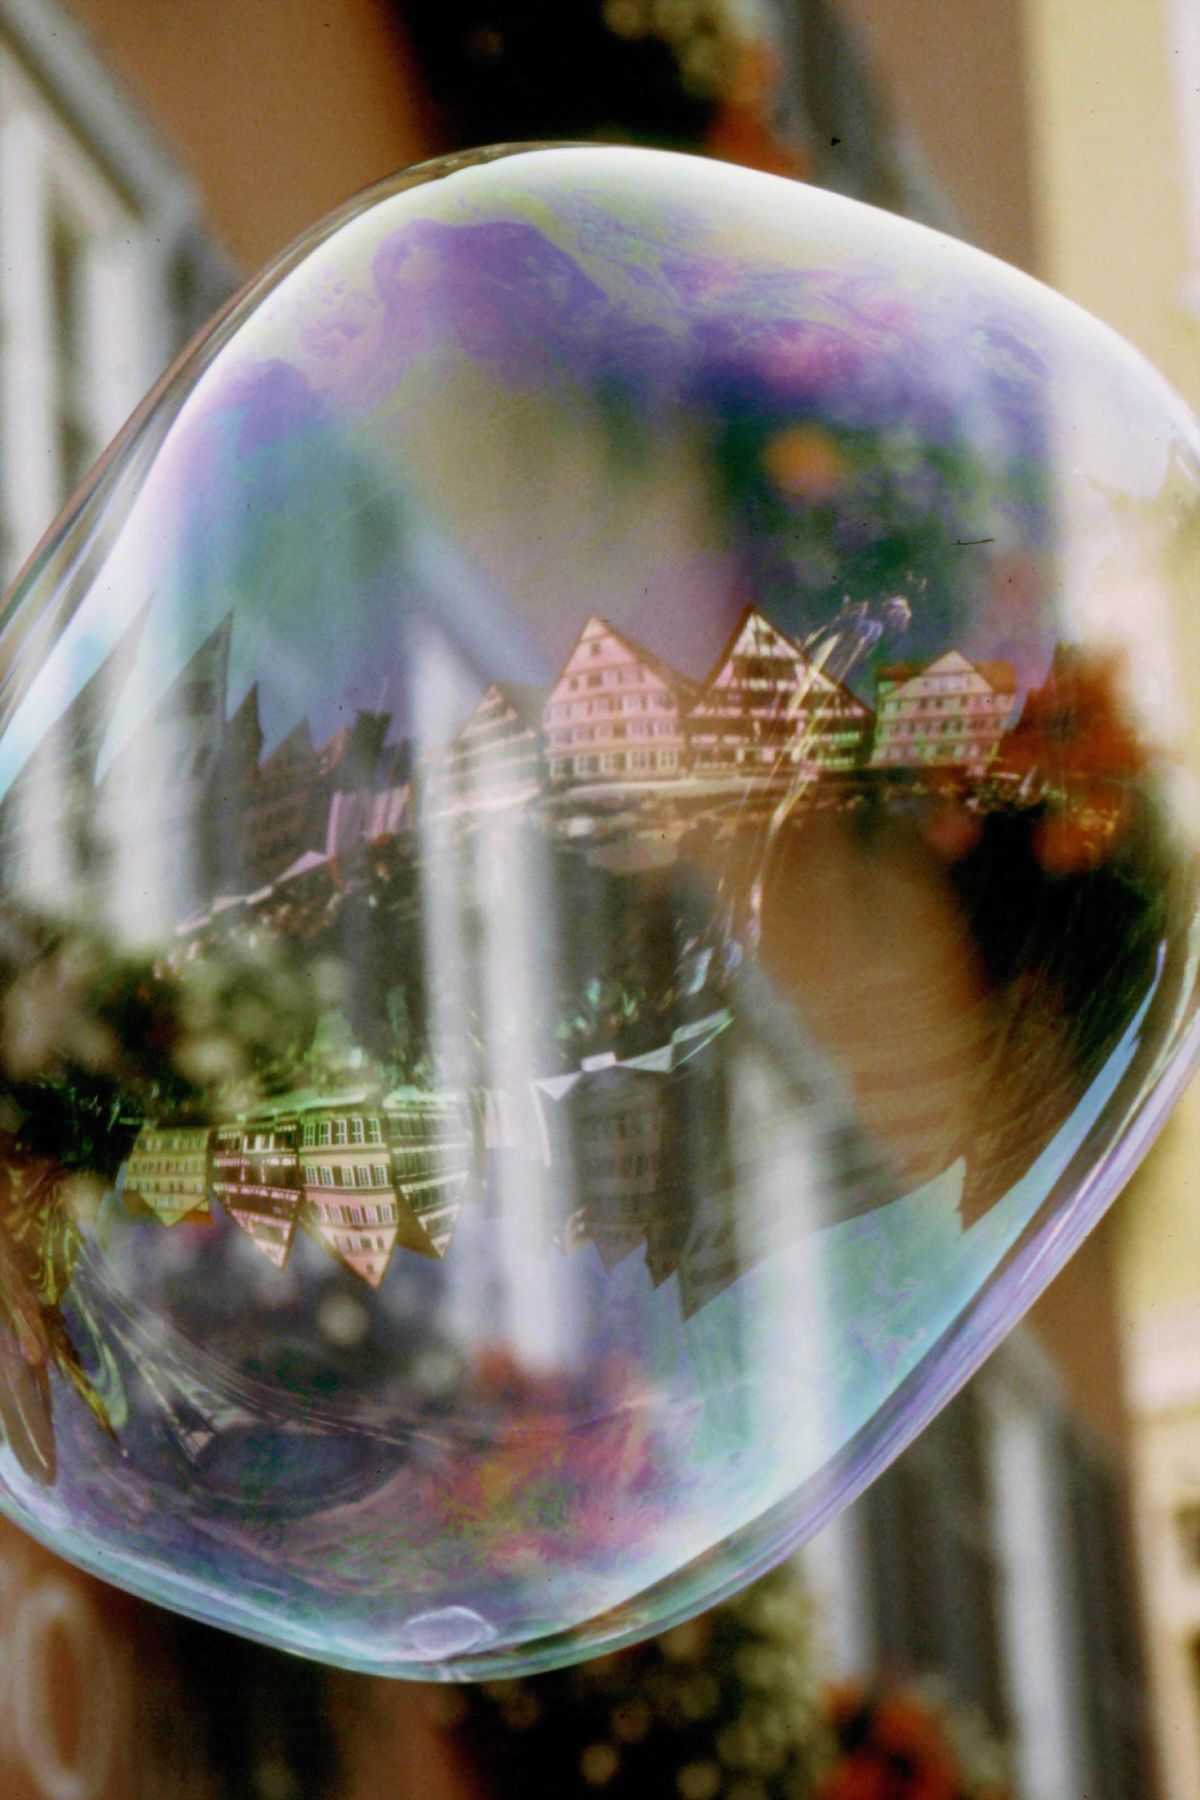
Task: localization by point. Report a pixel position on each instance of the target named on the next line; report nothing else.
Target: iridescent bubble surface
(598, 886)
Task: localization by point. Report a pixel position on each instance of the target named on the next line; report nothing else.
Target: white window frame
(1025, 1405)
(72, 143)
(1183, 49)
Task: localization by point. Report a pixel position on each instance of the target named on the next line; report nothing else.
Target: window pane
(68, 307)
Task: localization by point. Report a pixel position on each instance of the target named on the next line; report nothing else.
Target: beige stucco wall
(955, 75)
(280, 109)
(1109, 191)
(1111, 194)
(1110, 210)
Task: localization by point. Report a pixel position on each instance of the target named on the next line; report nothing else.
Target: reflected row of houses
(363, 1181)
(670, 1154)
(768, 715)
(186, 802)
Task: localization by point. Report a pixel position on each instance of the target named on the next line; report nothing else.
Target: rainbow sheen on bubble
(598, 886)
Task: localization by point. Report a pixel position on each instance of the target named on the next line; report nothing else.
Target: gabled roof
(659, 665)
(299, 738)
(999, 675)
(821, 677)
(246, 713)
(525, 700)
(169, 1209)
(748, 612)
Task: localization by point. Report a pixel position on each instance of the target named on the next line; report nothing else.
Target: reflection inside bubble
(593, 885)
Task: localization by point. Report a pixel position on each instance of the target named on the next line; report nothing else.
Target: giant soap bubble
(598, 886)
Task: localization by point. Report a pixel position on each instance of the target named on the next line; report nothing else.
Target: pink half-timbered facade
(617, 713)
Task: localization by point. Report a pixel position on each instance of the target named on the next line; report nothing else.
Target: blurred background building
(153, 152)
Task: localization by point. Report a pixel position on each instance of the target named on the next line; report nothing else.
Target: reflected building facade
(256, 1177)
(349, 1201)
(617, 712)
(279, 805)
(949, 713)
(361, 1180)
(431, 1160)
(768, 713)
(616, 1121)
(167, 1172)
(495, 761)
